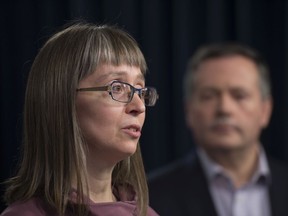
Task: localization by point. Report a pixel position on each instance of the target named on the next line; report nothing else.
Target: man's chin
(225, 145)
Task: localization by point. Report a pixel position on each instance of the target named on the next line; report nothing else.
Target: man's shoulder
(279, 171)
(175, 171)
(180, 188)
(279, 187)
(277, 165)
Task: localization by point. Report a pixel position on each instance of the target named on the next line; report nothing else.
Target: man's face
(226, 110)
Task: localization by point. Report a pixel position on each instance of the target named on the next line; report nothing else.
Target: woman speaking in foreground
(84, 110)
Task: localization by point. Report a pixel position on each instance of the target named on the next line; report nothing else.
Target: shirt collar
(212, 169)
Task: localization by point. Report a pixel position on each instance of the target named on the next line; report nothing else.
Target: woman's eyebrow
(111, 74)
(141, 77)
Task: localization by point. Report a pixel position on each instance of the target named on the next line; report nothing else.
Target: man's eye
(240, 96)
(206, 96)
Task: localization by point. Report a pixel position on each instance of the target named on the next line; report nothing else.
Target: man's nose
(225, 104)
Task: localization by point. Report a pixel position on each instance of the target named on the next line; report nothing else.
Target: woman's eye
(143, 93)
(117, 89)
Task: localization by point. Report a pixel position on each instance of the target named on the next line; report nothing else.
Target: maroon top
(36, 207)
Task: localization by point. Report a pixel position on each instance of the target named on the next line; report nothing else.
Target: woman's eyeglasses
(124, 92)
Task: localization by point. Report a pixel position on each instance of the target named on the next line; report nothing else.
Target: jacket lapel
(278, 190)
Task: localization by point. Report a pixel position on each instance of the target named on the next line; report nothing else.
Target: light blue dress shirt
(252, 199)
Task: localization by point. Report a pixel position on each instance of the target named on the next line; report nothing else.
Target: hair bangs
(117, 48)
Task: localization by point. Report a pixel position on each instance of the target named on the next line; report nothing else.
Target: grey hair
(223, 50)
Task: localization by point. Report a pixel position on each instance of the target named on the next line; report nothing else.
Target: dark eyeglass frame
(139, 91)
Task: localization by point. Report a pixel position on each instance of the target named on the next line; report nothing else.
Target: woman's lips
(133, 131)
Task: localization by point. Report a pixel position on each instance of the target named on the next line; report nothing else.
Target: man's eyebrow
(208, 88)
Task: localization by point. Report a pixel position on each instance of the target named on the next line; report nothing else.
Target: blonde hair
(54, 149)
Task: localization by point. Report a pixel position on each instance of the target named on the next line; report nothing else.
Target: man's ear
(266, 111)
(188, 113)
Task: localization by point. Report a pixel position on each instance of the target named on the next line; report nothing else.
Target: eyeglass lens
(124, 92)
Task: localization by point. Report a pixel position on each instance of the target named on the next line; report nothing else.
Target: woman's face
(111, 129)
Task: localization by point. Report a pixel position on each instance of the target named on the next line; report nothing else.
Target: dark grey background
(168, 32)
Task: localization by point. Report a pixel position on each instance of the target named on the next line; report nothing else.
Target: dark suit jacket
(181, 189)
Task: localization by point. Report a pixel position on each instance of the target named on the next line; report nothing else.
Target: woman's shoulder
(123, 208)
(33, 206)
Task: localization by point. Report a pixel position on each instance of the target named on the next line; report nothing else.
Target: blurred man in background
(228, 103)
